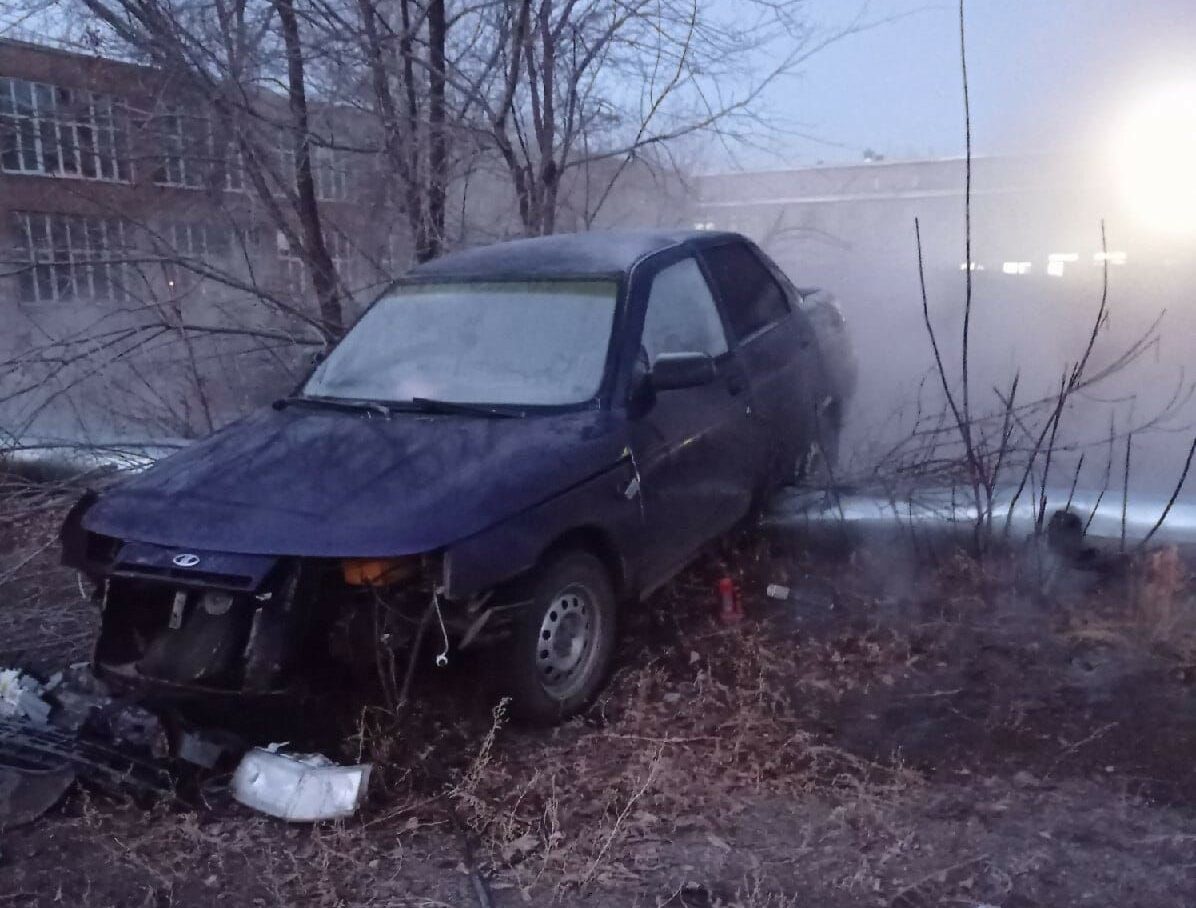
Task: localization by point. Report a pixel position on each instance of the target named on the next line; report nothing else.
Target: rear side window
(682, 316)
(754, 300)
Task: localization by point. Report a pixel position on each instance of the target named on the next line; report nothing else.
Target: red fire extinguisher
(730, 609)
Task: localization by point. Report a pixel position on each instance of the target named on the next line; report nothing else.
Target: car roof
(598, 253)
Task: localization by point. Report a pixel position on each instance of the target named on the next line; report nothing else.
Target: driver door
(693, 447)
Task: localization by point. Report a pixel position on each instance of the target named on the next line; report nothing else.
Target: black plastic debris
(32, 749)
(78, 697)
(26, 794)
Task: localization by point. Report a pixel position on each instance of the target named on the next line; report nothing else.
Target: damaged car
(513, 443)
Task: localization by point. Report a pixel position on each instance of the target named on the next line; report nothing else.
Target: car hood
(300, 481)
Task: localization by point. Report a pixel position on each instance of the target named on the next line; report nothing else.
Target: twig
(1171, 501)
(16, 568)
(1075, 479)
(915, 886)
(961, 423)
(1056, 418)
(631, 802)
(973, 463)
(1125, 487)
(1072, 748)
(413, 656)
(661, 741)
(1108, 476)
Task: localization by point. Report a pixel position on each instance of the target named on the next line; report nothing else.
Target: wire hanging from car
(442, 657)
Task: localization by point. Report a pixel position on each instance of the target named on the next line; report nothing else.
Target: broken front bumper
(201, 625)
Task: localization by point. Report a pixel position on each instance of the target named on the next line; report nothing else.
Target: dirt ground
(895, 735)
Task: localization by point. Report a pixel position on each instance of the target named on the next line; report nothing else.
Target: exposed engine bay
(190, 623)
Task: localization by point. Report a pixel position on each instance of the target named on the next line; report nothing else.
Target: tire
(563, 640)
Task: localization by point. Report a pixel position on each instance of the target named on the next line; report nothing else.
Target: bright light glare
(1155, 159)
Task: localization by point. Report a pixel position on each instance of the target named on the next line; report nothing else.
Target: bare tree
(515, 112)
(562, 86)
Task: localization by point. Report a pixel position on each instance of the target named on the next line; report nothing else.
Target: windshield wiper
(336, 403)
(431, 405)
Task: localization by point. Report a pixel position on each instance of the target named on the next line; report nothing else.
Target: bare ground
(896, 737)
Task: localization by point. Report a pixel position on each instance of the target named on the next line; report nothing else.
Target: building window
(294, 267)
(66, 257)
(234, 168)
(1015, 267)
(195, 157)
(203, 242)
(62, 132)
(187, 249)
(328, 170)
(1057, 262)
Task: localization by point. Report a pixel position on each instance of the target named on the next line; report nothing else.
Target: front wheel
(563, 639)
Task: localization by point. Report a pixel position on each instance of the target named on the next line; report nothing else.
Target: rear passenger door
(775, 346)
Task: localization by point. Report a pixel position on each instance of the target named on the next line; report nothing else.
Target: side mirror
(673, 371)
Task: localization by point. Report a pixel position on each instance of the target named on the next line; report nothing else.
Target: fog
(1082, 114)
(1032, 321)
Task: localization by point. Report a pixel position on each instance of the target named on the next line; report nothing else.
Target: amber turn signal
(378, 571)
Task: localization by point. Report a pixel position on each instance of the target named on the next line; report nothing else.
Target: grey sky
(1044, 74)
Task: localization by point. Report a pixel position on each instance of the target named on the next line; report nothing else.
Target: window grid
(68, 257)
(192, 159)
(198, 241)
(62, 132)
(193, 242)
(328, 171)
(294, 268)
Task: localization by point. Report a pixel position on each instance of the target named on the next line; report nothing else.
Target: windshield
(525, 343)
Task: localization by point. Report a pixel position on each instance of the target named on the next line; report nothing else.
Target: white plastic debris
(20, 695)
(302, 788)
(200, 749)
(802, 595)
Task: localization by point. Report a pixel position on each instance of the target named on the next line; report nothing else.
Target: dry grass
(1151, 608)
(675, 747)
(660, 788)
(45, 621)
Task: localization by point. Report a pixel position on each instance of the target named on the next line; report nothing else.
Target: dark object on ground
(27, 748)
(609, 403)
(26, 794)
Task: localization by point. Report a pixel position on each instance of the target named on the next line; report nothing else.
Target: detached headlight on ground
(301, 788)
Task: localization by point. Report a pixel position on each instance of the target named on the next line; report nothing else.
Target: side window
(682, 316)
(753, 298)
